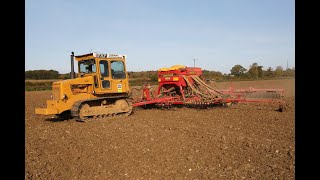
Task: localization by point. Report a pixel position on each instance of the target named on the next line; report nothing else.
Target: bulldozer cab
(108, 71)
(87, 66)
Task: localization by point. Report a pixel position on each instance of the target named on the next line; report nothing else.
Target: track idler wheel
(83, 108)
(124, 105)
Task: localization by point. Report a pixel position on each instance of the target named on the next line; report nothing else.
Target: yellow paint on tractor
(87, 86)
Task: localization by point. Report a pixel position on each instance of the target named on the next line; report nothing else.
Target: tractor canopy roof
(99, 55)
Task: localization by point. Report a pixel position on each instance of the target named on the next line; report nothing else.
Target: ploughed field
(245, 141)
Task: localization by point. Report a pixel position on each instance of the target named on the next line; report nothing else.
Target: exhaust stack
(72, 66)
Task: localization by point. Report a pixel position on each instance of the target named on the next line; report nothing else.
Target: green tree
(212, 74)
(153, 75)
(269, 72)
(67, 76)
(255, 71)
(238, 70)
(41, 74)
(279, 71)
(290, 72)
(260, 71)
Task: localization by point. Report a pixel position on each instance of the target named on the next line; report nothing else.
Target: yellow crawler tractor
(101, 89)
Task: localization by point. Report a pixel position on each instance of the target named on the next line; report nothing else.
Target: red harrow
(180, 85)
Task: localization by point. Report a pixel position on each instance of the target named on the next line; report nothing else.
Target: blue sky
(161, 33)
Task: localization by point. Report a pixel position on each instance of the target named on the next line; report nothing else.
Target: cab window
(104, 68)
(87, 66)
(117, 70)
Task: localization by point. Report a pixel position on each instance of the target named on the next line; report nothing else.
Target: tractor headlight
(64, 96)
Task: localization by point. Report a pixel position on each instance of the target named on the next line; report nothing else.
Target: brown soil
(244, 141)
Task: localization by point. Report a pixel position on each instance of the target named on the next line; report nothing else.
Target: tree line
(254, 71)
(41, 74)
